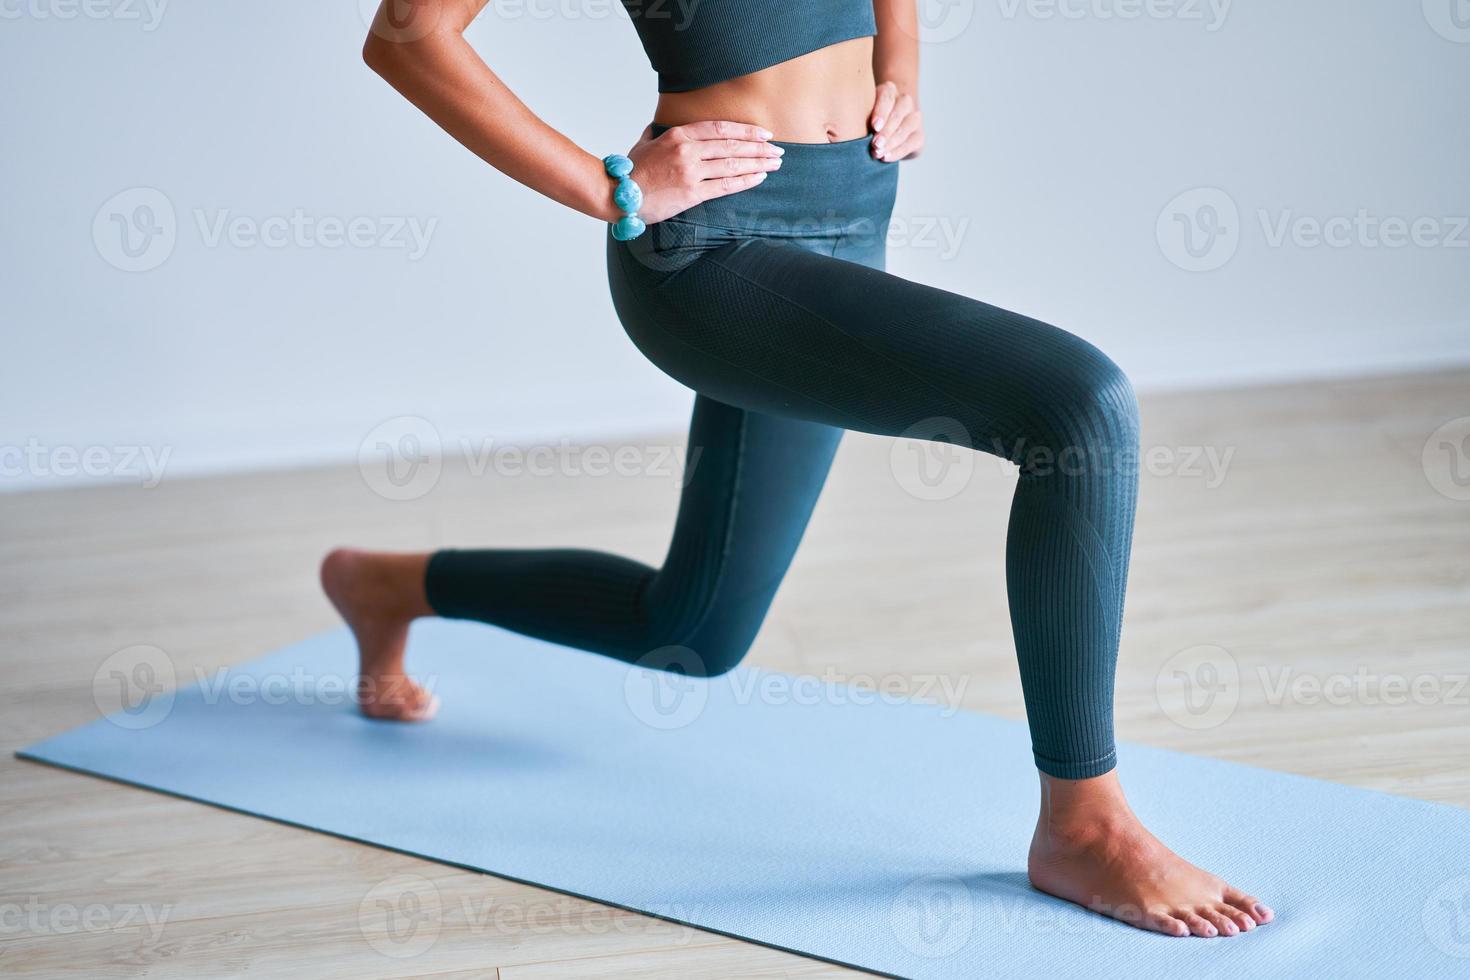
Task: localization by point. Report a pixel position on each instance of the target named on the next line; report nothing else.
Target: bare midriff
(821, 97)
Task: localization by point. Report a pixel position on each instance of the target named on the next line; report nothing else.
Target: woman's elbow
(411, 32)
(378, 53)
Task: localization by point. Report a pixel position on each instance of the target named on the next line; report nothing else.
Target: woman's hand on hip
(699, 161)
(897, 124)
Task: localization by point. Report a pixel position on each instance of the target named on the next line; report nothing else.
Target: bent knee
(723, 659)
(720, 650)
(1086, 402)
(724, 635)
(703, 661)
(697, 658)
(1083, 417)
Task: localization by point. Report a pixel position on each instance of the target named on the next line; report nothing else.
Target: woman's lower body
(773, 306)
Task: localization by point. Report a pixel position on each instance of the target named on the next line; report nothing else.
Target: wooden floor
(1325, 555)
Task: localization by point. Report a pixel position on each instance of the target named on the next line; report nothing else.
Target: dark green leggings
(773, 306)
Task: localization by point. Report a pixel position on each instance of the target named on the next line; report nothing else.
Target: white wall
(1060, 131)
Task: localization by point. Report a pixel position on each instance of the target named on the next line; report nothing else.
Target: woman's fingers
(721, 186)
(698, 161)
(905, 141)
(883, 103)
(720, 149)
(736, 166)
(907, 150)
(897, 125)
(721, 129)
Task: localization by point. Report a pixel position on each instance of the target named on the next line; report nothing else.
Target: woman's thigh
(777, 328)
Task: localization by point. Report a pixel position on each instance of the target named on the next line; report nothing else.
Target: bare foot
(378, 595)
(1089, 848)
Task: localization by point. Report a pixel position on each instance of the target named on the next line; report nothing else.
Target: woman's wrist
(627, 195)
(896, 47)
(597, 200)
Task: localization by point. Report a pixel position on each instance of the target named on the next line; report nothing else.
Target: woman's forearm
(441, 74)
(896, 48)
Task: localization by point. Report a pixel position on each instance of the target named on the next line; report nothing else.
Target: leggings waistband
(820, 187)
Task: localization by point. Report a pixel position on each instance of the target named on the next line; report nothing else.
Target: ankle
(1083, 811)
(376, 587)
(404, 576)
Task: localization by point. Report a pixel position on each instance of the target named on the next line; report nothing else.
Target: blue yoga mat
(802, 815)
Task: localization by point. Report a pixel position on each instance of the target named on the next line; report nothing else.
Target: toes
(426, 710)
(1198, 925)
(397, 701)
(1220, 920)
(1250, 905)
(415, 704)
(1160, 920)
(1245, 922)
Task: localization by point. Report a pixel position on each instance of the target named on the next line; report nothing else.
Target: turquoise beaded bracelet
(627, 195)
